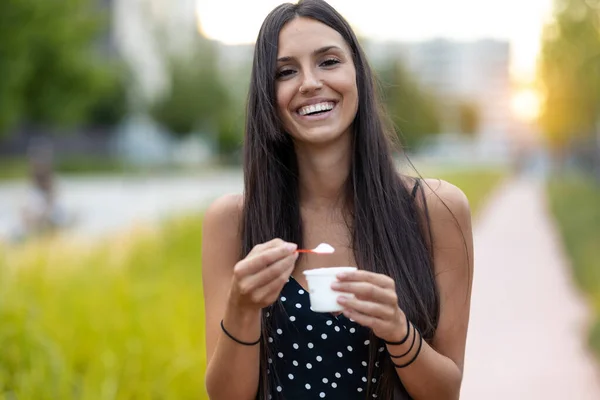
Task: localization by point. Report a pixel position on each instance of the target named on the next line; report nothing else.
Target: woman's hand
(375, 304)
(258, 278)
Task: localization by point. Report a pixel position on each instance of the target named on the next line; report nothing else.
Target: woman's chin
(319, 137)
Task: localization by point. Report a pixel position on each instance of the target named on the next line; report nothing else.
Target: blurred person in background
(318, 168)
(41, 212)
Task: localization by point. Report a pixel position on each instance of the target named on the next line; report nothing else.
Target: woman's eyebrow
(317, 52)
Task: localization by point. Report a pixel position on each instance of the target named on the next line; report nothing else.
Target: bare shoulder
(222, 222)
(445, 200)
(226, 209)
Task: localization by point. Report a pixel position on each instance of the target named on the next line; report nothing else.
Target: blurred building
(462, 72)
(147, 32)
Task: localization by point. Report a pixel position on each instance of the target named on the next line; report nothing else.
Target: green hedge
(575, 202)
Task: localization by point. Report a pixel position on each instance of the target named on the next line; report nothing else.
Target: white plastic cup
(322, 297)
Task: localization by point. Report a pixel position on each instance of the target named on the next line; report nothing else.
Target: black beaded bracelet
(416, 354)
(411, 345)
(405, 337)
(237, 340)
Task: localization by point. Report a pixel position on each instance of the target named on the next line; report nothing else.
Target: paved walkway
(528, 324)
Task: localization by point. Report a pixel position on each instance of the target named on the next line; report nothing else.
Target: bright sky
(519, 21)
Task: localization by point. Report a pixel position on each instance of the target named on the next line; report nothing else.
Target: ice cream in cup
(322, 297)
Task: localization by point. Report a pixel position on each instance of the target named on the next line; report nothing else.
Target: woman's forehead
(303, 36)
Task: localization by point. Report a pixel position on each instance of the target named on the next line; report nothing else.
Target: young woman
(318, 168)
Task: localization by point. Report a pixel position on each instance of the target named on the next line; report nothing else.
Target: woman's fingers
(375, 304)
(369, 308)
(365, 320)
(264, 246)
(254, 264)
(268, 293)
(273, 272)
(376, 279)
(367, 291)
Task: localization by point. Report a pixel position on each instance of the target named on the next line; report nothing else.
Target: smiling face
(316, 91)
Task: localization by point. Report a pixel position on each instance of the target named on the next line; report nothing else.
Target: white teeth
(313, 108)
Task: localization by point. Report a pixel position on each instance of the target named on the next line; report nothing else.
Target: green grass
(118, 320)
(17, 167)
(575, 203)
(12, 168)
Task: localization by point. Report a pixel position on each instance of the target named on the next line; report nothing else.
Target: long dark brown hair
(389, 234)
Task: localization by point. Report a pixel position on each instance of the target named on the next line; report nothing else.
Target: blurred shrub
(111, 104)
(18, 168)
(84, 165)
(469, 118)
(13, 168)
(230, 139)
(412, 109)
(196, 97)
(575, 202)
(118, 320)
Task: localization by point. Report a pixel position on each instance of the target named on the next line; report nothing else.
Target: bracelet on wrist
(405, 337)
(237, 340)
(411, 345)
(416, 354)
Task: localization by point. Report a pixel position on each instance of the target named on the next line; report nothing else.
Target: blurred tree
(112, 102)
(468, 118)
(570, 73)
(196, 97)
(51, 73)
(230, 138)
(413, 111)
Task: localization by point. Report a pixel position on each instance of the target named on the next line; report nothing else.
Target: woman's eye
(284, 73)
(330, 61)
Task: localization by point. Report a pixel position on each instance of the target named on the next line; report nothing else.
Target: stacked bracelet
(237, 340)
(411, 345)
(415, 333)
(405, 337)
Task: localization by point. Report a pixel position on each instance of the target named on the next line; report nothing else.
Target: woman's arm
(437, 371)
(232, 369)
(235, 291)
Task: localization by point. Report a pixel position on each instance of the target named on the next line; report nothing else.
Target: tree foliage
(413, 111)
(570, 72)
(469, 118)
(196, 98)
(50, 69)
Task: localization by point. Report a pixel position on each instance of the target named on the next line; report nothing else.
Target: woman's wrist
(242, 323)
(405, 351)
(402, 333)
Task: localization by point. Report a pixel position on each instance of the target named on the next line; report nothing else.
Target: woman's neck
(323, 174)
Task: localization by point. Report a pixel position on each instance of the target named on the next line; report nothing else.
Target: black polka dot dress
(316, 355)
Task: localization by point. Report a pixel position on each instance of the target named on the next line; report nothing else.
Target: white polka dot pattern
(311, 348)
